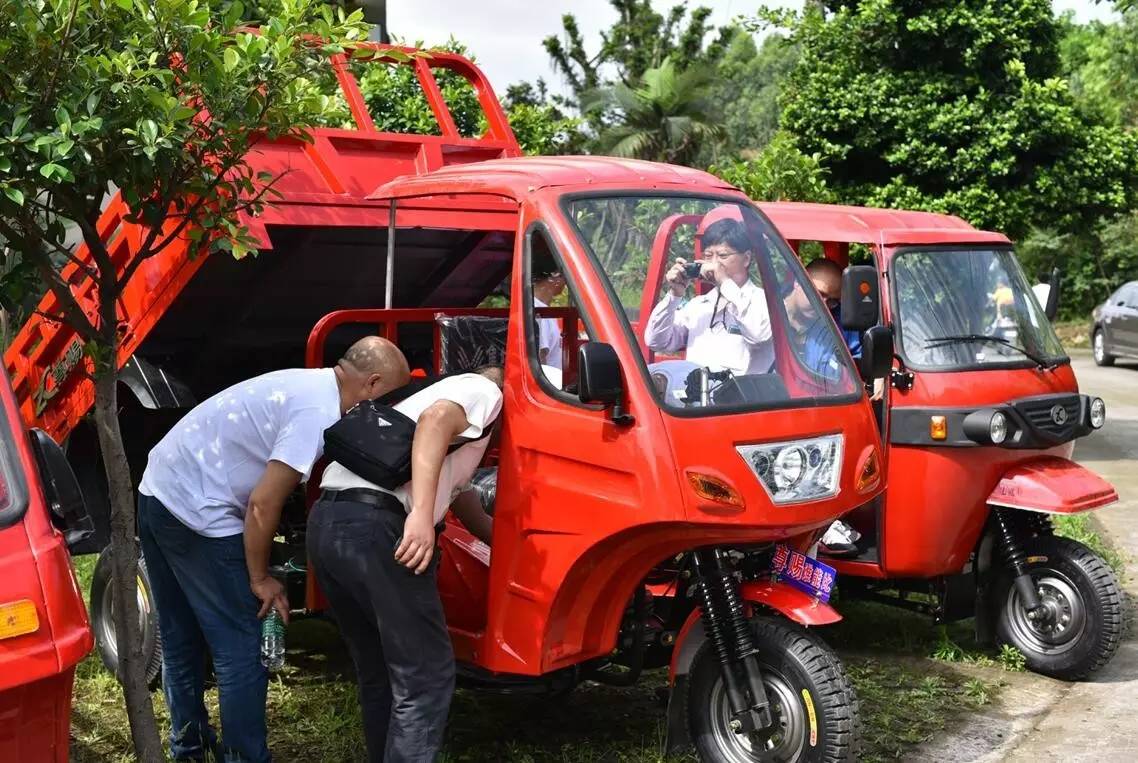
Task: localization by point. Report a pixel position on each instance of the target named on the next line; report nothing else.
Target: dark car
(1115, 330)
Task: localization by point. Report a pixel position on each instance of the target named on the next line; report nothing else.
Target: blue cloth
(201, 591)
(852, 338)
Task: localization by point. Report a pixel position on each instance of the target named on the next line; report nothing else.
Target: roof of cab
(799, 221)
(521, 176)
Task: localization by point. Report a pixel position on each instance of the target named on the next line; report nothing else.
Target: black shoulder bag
(373, 440)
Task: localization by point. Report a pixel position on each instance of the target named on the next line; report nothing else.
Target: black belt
(377, 498)
(369, 497)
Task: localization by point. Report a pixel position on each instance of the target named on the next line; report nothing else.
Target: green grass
(1080, 527)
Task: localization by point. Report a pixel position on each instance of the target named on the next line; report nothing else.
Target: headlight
(998, 428)
(798, 470)
(1098, 412)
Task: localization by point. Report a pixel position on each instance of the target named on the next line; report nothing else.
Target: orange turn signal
(18, 618)
(714, 489)
(938, 428)
(869, 476)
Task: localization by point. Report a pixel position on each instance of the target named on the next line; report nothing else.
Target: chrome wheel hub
(1057, 625)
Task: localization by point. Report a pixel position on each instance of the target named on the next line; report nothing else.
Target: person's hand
(418, 544)
(676, 278)
(271, 592)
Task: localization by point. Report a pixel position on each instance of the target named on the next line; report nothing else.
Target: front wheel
(1081, 625)
(1102, 357)
(103, 619)
(812, 702)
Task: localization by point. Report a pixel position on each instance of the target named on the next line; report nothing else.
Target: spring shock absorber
(744, 640)
(1017, 559)
(726, 627)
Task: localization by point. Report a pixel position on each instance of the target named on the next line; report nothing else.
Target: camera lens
(692, 269)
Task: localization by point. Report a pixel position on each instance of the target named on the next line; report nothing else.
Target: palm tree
(666, 118)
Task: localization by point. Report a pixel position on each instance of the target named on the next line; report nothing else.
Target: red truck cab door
(44, 631)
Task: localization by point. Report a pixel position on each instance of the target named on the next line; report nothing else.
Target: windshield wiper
(1037, 359)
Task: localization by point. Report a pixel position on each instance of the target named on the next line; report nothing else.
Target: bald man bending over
(210, 502)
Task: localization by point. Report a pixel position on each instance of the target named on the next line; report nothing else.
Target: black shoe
(837, 549)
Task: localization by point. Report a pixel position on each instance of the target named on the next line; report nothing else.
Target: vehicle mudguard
(792, 603)
(155, 387)
(1052, 485)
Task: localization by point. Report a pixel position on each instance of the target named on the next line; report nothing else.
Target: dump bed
(185, 315)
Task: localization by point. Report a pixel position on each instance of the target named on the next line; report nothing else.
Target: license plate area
(800, 571)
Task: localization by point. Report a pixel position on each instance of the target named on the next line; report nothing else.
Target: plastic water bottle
(272, 641)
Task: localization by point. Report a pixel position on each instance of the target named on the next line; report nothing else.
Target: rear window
(13, 490)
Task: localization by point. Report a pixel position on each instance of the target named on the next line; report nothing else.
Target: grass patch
(1075, 335)
(1080, 527)
(907, 697)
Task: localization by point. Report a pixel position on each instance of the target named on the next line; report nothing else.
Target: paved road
(1098, 720)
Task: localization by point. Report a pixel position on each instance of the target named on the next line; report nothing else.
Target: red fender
(794, 604)
(1052, 485)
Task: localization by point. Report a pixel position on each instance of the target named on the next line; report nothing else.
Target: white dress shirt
(740, 340)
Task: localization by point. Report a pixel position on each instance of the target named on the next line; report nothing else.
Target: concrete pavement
(1097, 720)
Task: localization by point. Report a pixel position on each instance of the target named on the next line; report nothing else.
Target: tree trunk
(124, 565)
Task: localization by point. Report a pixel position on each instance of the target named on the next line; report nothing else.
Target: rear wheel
(1102, 357)
(103, 619)
(1081, 625)
(812, 702)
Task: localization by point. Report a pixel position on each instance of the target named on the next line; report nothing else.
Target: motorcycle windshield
(962, 309)
(723, 312)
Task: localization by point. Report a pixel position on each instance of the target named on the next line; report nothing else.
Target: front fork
(1014, 527)
(725, 622)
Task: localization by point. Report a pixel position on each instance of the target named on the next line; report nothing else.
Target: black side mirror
(599, 379)
(860, 298)
(64, 498)
(1051, 309)
(876, 359)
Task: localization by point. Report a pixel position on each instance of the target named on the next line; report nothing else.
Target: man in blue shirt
(826, 275)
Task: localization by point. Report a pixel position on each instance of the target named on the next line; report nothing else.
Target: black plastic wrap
(485, 482)
(468, 342)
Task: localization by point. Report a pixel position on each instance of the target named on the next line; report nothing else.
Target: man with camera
(728, 328)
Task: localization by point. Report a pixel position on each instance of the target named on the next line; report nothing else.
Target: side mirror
(861, 306)
(599, 379)
(876, 359)
(1051, 309)
(64, 498)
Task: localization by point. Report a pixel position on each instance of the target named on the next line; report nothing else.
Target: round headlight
(1098, 413)
(789, 467)
(998, 428)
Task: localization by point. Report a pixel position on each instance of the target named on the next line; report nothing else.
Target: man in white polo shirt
(209, 504)
(373, 552)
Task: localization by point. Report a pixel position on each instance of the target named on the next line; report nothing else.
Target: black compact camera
(693, 269)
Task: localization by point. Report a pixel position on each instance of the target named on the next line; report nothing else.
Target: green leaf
(50, 169)
(5, 164)
(126, 5)
(231, 59)
(18, 124)
(92, 103)
(15, 195)
(149, 130)
(64, 120)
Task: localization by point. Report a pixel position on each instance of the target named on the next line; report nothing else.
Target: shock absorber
(726, 627)
(1017, 559)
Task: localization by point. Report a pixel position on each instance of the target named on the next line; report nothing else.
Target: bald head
(826, 275)
(370, 368)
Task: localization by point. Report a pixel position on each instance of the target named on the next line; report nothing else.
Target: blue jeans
(201, 591)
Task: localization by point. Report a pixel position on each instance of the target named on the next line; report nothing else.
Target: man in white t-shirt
(372, 551)
(548, 285)
(209, 504)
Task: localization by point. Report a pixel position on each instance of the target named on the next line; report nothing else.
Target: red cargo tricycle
(44, 631)
(635, 528)
(980, 416)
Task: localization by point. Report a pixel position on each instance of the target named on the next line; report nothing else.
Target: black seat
(469, 341)
(485, 482)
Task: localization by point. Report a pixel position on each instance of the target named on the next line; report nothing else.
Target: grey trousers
(392, 621)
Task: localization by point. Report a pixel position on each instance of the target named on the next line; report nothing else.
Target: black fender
(155, 387)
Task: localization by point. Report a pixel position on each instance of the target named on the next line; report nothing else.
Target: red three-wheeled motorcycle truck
(634, 528)
(979, 419)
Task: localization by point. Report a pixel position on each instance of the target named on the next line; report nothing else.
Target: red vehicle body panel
(37, 668)
(926, 531)
(1052, 486)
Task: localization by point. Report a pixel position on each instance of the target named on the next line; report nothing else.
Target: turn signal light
(18, 618)
(714, 489)
(938, 428)
(869, 476)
